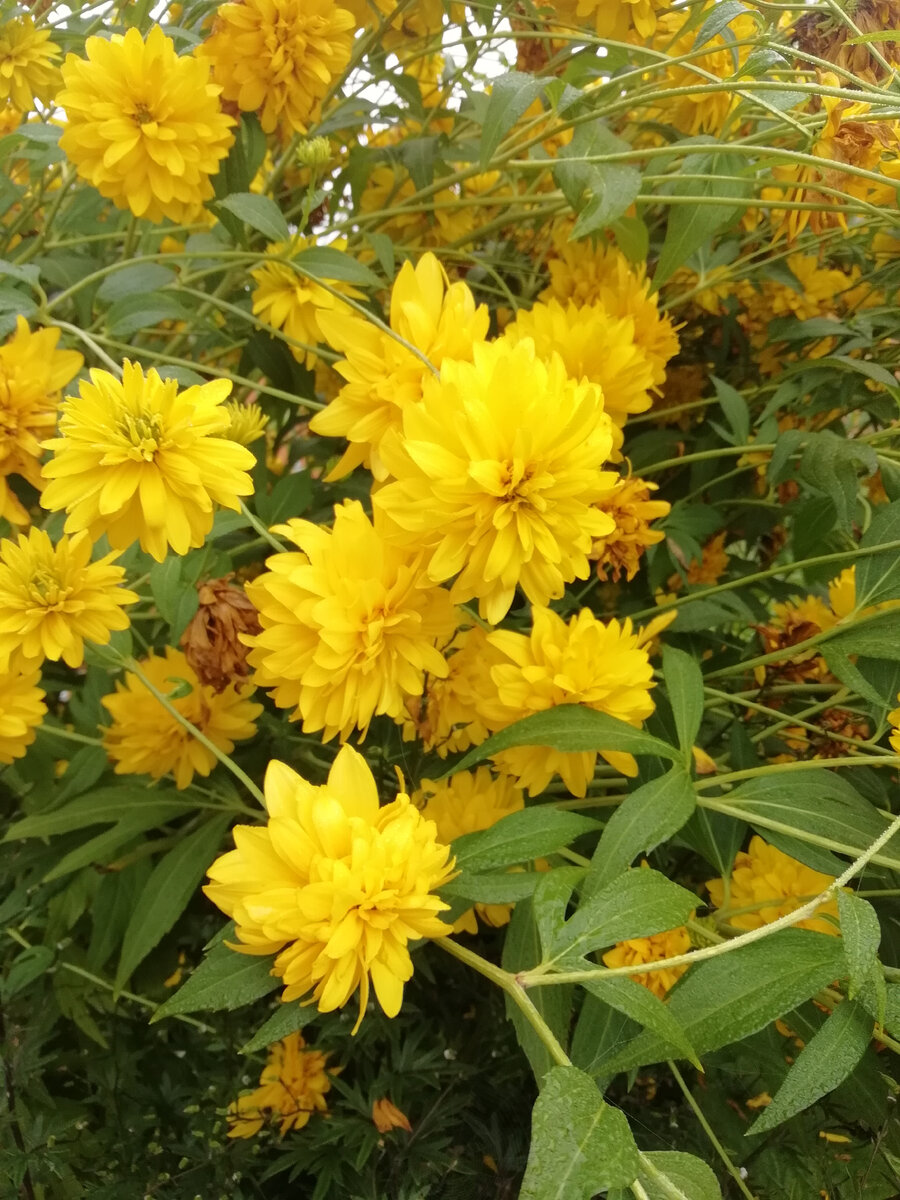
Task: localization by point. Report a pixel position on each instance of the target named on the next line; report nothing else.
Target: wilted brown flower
(631, 508)
(825, 35)
(211, 642)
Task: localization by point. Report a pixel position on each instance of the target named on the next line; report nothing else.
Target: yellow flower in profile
(292, 1087)
(143, 125)
(384, 376)
(32, 375)
(497, 475)
(141, 461)
(334, 885)
(53, 599)
(466, 803)
(27, 64)
(246, 423)
(894, 721)
(279, 57)
(145, 739)
(603, 275)
(631, 510)
(652, 949)
(842, 593)
(287, 300)
(594, 346)
(612, 19)
(769, 884)
(446, 719)
(350, 624)
(22, 709)
(604, 665)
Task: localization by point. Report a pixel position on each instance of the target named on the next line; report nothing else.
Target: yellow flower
(446, 719)
(246, 423)
(387, 1116)
(334, 885)
(384, 377)
(631, 510)
(143, 125)
(466, 803)
(604, 276)
(894, 720)
(141, 461)
(22, 709)
(350, 625)
(53, 599)
(27, 63)
(595, 346)
(497, 474)
(769, 884)
(145, 739)
(612, 19)
(292, 1086)
(32, 374)
(287, 300)
(279, 57)
(651, 949)
(842, 593)
(605, 666)
(713, 562)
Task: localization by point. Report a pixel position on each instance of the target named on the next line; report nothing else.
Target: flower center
(45, 587)
(143, 115)
(144, 432)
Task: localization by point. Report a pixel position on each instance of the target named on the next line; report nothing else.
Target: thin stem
(262, 530)
(707, 1129)
(130, 664)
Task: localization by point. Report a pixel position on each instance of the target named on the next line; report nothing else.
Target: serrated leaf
(824, 1062)
(647, 816)
(168, 892)
(671, 1175)
(691, 226)
(720, 18)
(511, 95)
(636, 904)
(259, 212)
(599, 192)
(579, 1144)
(569, 727)
(103, 847)
(520, 837)
(285, 1020)
(878, 576)
(727, 998)
(226, 979)
(861, 931)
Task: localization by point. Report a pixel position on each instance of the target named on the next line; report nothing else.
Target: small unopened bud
(314, 152)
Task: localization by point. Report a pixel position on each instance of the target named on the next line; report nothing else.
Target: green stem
(707, 1129)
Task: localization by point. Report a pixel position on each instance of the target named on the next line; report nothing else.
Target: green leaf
(569, 727)
(101, 807)
(823, 1063)
(519, 838)
(285, 1020)
(328, 263)
(721, 17)
(691, 226)
(673, 1175)
(85, 767)
(510, 95)
(579, 1144)
(636, 904)
(259, 212)
(737, 414)
(861, 931)
(684, 685)
(226, 979)
(647, 816)
(878, 576)
(727, 998)
(290, 497)
(135, 280)
(24, 969)
(599, 192)
(718, 838)
(168, 892)
(504, 887)
(816, 806)
(641, 1005)
(136, 312)
(522, 951)
(832, 465)
(176, 599)
(103, 847)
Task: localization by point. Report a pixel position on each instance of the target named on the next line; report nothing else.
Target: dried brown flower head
(211, 642)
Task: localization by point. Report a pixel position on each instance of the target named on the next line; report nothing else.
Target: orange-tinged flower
(652, 949)
(292, 1088)
(146, 739)
(387, 1116)
(335, 886)
(631, 509)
